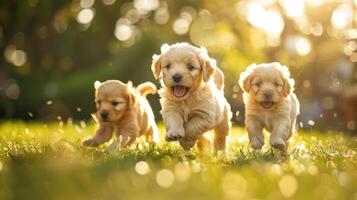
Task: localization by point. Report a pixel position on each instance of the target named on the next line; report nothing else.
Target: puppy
(269, 104)
(125, 111)
(192, 96)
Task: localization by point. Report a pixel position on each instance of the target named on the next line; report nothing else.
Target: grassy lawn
(39, 161)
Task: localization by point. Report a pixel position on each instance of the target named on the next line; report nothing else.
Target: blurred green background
(53, 51)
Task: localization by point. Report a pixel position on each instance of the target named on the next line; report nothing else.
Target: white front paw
(256, 142)
(277, 142)
(175, 134)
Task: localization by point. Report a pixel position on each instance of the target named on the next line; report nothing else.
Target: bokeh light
(145, 6)
(293, 8)
(108, 2)
(298, 45)
(142, 168)
(165, 178)
(342, 16)
(15, 56)
(123, 30)
(181, 26)
(86, 3)
(288, 185)
(13, 91)
(182, 172)
(85, 16)
(269, 20)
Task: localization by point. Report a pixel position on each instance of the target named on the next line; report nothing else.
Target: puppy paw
(174, 135)
(277, 142)
(90, 143)
(256, 143)
(187, 142)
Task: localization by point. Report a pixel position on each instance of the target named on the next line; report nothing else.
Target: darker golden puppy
(123, 110)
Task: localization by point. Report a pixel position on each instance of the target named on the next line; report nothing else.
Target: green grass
(39, 161)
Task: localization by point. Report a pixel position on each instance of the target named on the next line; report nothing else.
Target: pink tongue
(267, 104)
(179, 91)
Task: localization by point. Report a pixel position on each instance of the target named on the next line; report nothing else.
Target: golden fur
(203, 106)
(269, 104)
(129, 114)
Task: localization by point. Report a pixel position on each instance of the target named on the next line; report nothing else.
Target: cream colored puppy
(192, 96)
(269, 104)
(125, 111)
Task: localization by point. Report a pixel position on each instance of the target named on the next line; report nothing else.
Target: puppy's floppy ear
(289, 83)
(97, 84)
(208, 64)
(156, 61)
(288, 86)
(156, 66)
(132, 101)
(245, 78)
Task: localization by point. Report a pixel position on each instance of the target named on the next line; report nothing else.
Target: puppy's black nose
(177, 78)
(268, 95)
(104, 115)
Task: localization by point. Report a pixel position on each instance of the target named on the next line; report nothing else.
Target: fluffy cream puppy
(124, 111)
(269, 104)
(192, 96)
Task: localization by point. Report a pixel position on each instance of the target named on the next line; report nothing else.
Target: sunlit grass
(39, 161)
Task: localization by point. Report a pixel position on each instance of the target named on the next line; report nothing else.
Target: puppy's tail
(219, 79)
(146, 88)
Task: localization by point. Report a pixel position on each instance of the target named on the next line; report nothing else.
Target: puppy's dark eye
(277, 84)
(98, 102)
(190, 67)
(115, 103)
(258, 84)
(167, 66)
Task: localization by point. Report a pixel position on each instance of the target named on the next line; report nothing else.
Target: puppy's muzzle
(267, 103)
(104, 115)
(268, 95)
(177, 78)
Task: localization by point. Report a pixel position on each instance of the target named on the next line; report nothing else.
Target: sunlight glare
(208, 135)
(268, 20)
(293, 8)
(342, 16)
(303, 46)
(314, 3)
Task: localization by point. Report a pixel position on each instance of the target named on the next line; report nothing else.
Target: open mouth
(179, 91)
(267, 104)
